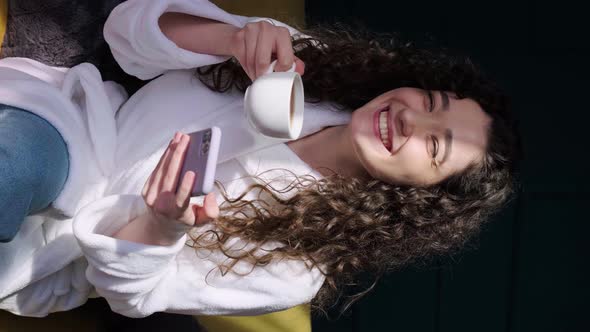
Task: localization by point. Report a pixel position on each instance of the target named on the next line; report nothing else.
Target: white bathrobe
(65, 255)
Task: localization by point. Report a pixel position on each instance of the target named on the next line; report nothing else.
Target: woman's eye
(430, 101)
(434, 147)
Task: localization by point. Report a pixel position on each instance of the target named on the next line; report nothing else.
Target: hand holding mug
(254, 45)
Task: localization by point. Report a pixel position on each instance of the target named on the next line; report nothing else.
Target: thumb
(207, 212)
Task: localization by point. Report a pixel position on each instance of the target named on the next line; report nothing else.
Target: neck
(329, 150)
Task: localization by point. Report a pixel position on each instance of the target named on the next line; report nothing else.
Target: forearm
(197, 34)
(148, 230)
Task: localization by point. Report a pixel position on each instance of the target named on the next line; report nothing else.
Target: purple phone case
(201, 158)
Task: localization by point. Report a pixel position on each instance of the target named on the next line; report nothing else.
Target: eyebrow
(448, 132)
(448, 144)
(445, 100)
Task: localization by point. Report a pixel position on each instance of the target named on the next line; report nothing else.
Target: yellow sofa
(3, 12)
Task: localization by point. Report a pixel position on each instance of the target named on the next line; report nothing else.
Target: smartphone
(201, 158)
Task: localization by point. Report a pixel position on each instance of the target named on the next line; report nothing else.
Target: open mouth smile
(382, 128)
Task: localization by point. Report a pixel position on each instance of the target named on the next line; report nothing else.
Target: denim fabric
(33, 167)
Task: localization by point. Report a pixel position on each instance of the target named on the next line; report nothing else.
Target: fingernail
(176, 137)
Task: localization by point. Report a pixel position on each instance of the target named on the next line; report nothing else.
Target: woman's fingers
(284, 49)
(174, 166)
(150, 180)
(195, 215)
(175, 206)
(250, 42)
(155, 181)
(208, 212)
(264, 47)
(183, 195)
(255, 44)
(162, 196)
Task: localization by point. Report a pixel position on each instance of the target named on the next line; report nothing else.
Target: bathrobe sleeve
(42, 268)
(63, 290)
(142, 50)
(138, 280)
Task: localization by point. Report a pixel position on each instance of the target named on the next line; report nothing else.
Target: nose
(412, 120)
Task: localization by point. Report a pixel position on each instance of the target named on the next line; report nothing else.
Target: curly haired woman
(404, 154)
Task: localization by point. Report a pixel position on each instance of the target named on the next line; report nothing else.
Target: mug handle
(273, 64)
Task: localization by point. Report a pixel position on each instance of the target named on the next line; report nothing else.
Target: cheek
(411, 164)
(356, 124)
(413, 154)
(361, 122)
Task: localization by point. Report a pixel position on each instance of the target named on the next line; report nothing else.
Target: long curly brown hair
(347, 227)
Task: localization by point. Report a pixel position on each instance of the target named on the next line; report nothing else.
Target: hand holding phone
(168, 190)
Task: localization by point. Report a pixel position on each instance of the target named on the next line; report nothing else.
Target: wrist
(162, 231)
(148, 229)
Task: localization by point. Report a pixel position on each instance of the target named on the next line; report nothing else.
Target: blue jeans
(34, 166)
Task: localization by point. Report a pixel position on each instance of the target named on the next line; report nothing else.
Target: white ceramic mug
(274, 103)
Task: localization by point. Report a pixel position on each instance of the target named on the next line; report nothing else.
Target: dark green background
(528, 271)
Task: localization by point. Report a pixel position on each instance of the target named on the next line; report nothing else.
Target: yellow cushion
(291, 12)
(296, 319)
(3, 13)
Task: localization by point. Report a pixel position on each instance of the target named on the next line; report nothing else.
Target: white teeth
(383, 127)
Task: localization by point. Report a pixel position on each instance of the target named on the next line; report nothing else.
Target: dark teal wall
(528, 271)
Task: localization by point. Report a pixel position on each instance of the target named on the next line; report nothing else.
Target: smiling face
(412, 136)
